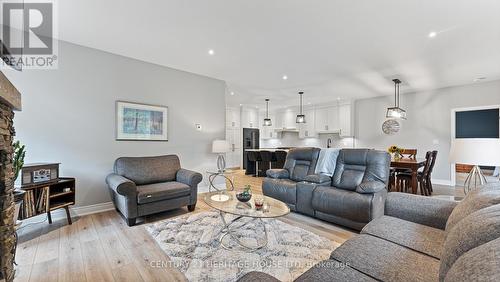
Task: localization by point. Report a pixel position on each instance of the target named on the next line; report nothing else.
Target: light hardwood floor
(101, 247)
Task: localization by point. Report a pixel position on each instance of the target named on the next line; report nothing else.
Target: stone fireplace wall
(10, 100)
(7, 239)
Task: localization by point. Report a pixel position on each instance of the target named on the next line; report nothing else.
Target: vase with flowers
(395, 151)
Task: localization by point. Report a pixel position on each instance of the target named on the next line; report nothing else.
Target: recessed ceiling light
(285, 77)
(479, 78)
(211, 52)
(309, 103)
(232, 93)
(241, 105)
(432, 34)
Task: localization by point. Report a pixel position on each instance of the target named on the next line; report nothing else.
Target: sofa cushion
(477, 199)
(161, 191)
(476, 229)
(333, 271)
(284, 190)
(348, 204)
(147, 170)
(386, 261)
(418, 237)
(355, 166)
(301, 162)
(479, 264)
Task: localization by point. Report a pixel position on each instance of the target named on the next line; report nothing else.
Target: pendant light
(267, 120)
(301, 118)
(396, 111)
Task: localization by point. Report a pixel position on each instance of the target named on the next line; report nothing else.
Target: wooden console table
(46, 197)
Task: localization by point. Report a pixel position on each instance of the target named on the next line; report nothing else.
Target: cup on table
(259, 203)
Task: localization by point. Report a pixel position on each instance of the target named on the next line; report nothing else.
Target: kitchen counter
(266, 149)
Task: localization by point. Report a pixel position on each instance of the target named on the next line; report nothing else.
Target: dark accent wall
(477, 124)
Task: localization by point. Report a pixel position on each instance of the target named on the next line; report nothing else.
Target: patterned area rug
(192, 243)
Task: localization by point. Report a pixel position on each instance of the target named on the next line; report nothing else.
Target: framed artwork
(144, 122)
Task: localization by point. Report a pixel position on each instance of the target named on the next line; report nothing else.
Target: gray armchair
(281, 184)
(141, 186)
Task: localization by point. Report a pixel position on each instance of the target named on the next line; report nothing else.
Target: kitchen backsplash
(291, 139)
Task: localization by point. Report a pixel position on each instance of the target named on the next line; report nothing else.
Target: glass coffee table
(272, 208)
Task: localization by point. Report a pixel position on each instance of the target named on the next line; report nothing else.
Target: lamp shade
(220, 146)
(475, 151)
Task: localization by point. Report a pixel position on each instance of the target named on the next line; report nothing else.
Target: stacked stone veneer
(10, 100)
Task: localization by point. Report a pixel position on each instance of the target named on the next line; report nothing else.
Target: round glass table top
(226, 202)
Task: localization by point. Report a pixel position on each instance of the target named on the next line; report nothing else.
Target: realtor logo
(28, 32)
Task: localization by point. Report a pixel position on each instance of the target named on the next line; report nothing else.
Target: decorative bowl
(244, 194)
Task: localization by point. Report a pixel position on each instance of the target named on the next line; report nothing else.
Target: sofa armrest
(121, 185)
(419, 209)
(370, 187)
(188, 177)
(318, 178)
(278, 173)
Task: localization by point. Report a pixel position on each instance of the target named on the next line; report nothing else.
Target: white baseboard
(445, 182)
(84, 210)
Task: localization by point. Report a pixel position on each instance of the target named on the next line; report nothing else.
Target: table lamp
(475, 152)
(220, 147)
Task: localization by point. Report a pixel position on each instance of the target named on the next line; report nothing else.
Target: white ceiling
(329, 48)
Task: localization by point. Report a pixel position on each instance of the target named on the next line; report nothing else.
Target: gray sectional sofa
(354, 196)
(419, 239)
(142, 186)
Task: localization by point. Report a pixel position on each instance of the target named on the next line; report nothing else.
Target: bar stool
(280, 159)
(266, 157)
(255, 157)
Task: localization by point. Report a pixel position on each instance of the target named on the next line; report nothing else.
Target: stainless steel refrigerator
(250, 141)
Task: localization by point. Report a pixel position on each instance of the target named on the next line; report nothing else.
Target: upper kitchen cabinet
(268, 132)
(232, 117)
(308, 129)
(249, 117)
(346, 127)
(285, 119)
(327, 119)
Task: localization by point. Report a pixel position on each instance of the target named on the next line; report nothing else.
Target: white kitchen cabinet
(233, 136)
(249, 118)
(308, 129)
(346, 120)
(232, 117)
(268, 132)
(327, 119)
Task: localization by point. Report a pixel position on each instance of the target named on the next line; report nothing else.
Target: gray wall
(428, 126)
(68, 114)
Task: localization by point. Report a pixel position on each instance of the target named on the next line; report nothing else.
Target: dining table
(411, 164)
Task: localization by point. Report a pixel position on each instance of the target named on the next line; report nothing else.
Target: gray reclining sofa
(354, 196)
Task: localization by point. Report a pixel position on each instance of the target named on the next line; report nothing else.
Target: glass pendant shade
(301, 118)
(396, 112)
(267, 120)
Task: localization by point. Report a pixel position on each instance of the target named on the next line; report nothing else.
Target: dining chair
(408, 154)
(403, 179)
